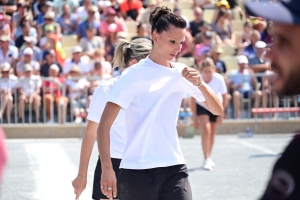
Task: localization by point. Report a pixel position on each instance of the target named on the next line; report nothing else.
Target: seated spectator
(222, 6)
(8, 83)
(132, 9)
(91, 41)
(223, 28)
(195, 26)
(205, 4)
(37, 7)
(256, 63)
(99, 56)
(22, 13)
(49, 20)
(9, 6)
(245, 38)
(204, 47)
(45, 8)
(4, 26)
(29, 89)
(216, 52)
(83, 26)
(53, 95)
(8, 53)
(267, 34)
(59, 4)
(83, 11)
(243, 83)
(249, 51)
(110, 18)
(177, 12)
(146, 13)
(76, 60)
(77, 92)
(26, 31)
(142, 32)
(30, 42)
(67, 21)
(49, 59)
(27, 59)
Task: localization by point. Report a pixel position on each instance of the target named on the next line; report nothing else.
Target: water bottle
(248, 131)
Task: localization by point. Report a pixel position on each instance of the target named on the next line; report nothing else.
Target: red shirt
(51, 84)
(133, 5)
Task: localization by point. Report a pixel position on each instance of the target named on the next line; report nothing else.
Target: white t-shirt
(82, 14)
(9, 83)
(76, 85)
(30, 85)
(11, 54)
(118, 129)
(151, 95)
(218, 85)
(244, 78)
(83, 65)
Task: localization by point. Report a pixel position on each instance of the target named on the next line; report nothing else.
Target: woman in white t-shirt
(150, 92)
(126, 54)
(208, 121)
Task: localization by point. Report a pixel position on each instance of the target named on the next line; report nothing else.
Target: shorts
(163, 183)
(97, 193)
(203, 111)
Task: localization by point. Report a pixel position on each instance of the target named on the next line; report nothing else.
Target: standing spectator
(195, 26)
(30, 42)
(4, 25)
(76, 60)
(250, 49)
(243, 84)
(49, 57)
(29, 90)
(17, 16)
(58, 6)
(45, 7)
(67, 21)
(132, 9)
(27, 59)
(82, 12)
(142, 32)
(82, 27)
(9, 6)
(146, 14)
(216, 52)
(8, 53)
(8, 83)
(111, 17)
(91, 41)
(26, 30)
(53, 94)
(49, 20)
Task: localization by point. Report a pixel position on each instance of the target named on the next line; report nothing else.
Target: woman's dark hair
(221, 14)
(162, 17)
(248, 23)
(22, 20)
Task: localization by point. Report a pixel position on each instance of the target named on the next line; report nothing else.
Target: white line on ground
(253, 146)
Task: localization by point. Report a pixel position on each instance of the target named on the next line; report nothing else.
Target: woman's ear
(154, 36)
(132, 62)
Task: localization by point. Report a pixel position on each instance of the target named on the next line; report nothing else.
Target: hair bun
(157, 13)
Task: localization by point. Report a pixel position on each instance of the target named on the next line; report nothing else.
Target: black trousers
(164, 183)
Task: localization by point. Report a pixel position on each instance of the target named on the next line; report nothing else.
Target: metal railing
(59, 104)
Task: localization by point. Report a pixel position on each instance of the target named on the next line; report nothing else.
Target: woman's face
(207, 73)
(168, 43)
(248, 29)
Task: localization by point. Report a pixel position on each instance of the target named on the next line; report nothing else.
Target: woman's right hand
(108, 183)
(79, 184)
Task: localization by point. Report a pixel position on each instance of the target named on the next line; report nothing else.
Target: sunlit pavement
(43, 169)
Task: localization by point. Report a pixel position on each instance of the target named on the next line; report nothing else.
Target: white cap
(77, 49)
(28, 51)
(260, 44)
(55, 67)
(242, 59)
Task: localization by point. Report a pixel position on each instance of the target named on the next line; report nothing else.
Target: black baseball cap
(284, 11)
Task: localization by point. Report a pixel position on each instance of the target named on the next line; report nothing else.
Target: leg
(21, 102)
(62, 108)
(37, 105)
(48, 100)
(212, 136)
(9, 108)
(257, 98)
(4, 102)
(206, 132)
(237, 103)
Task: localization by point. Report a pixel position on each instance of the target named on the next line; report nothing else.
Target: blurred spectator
(49, 59)
(58, 6)
(216, 52)
(8, 53)
(245, 38)
(29, 89)
(243, 84)
(91, 41)
(9, 6)
(110, 42)
(67, 21)
(142, 32)
(146, 13)
(83, 11)
(27, 59)
(26, 30)
(195, 26)
(87, 23)
(37, 7)
(132, 9)
(205, 4)
(45, 8)
(77, 92)
(53, 94)
(111, 17)
(30, 42)
(49, 20)
(17, 16)
(76, 60)
(8, 83)
(267, 34)
(222, 5)
(177, 12)
(99, 56)
(256, 63)
(204, 47)
(4, 26)
(223, 28)
(250, 49)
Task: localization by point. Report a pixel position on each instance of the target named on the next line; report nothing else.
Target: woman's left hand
(192, 75)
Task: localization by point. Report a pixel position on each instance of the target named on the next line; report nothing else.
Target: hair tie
(125, 47)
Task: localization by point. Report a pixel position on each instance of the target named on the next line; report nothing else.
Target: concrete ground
(42, 169)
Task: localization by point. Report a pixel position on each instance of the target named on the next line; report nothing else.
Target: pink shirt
(121, 27)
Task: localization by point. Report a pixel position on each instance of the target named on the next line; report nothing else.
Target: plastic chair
(230, 62)
(185, 4)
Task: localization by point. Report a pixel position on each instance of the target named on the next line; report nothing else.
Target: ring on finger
(110, 188)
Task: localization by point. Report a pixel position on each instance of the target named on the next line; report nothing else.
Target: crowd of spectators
(35, 67)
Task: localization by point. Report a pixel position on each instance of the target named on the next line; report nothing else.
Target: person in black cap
(284, 55)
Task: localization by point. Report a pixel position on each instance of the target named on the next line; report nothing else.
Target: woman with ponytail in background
(126, 55)
(152, 166)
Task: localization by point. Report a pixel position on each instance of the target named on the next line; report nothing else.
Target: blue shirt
(81, 28)
(249, 51)
(40, 19)
(67, 29)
